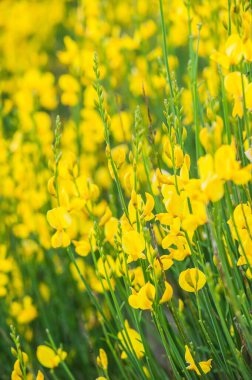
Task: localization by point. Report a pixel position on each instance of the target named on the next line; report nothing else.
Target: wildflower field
(125, 189)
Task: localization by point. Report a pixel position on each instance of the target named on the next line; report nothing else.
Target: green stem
(165, 52)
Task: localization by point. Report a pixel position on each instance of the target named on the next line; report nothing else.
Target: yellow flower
(48, 357)
(148, 207)
(70, 87)
(248, 97)
(59, 219)
(51, 186)
(214, 171)
(177, 239)
(240, 230)
(105, 217)
(146, 371)
(234, 83)
(144, 298)
(130, 338)
(17, 372)
(82, 247)
(248, 154)
(111, 229)
(211, 138)
(180, 305)
(3, 283)
(162, 263)
(173, 154)
(25, 311)
(167, 293)
(234, 50)
(192, 280)
(71, 55)
(225, 162)
(205, 366)
(68, 167)
(15, 375)
(133, 244)
(228, 168)
(40, 376)
(249, 274)
(118, 154)
(102, 359)
(106, 266)
(211, 184)
(138, 207)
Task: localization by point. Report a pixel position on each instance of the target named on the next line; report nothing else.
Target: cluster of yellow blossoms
(127, 220)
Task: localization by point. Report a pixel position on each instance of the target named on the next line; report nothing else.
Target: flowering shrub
(125, 166)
